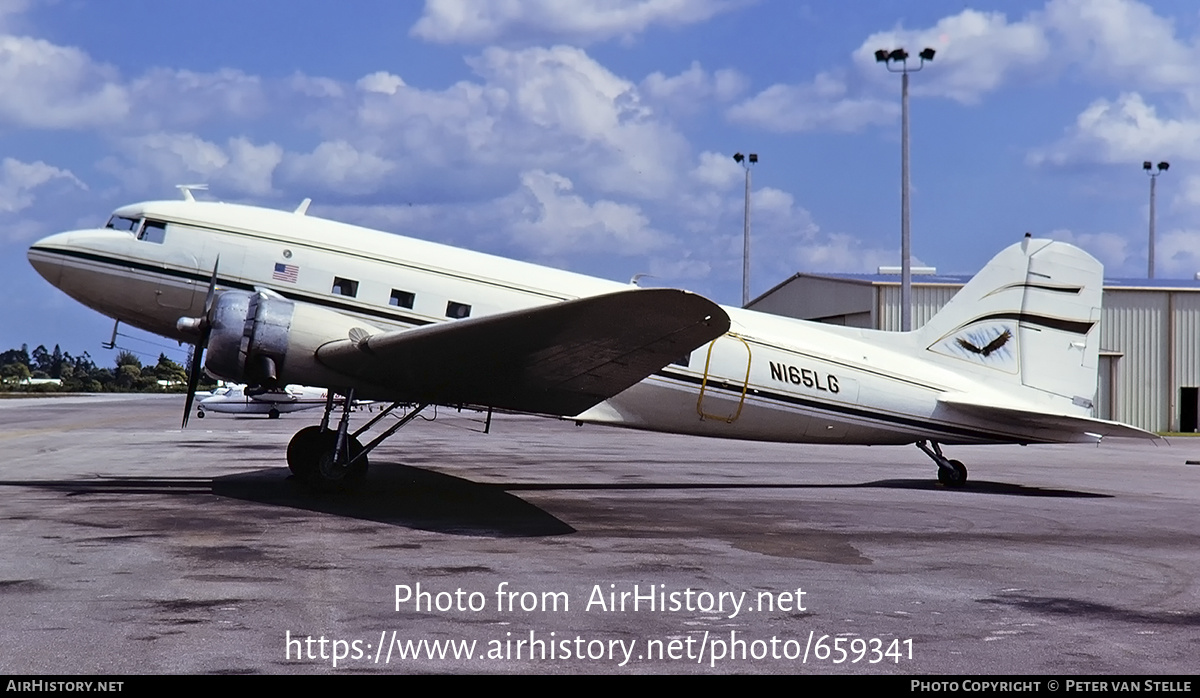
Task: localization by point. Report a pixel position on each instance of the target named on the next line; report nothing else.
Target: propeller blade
(205, 327)
(212, 288)
(194, 369)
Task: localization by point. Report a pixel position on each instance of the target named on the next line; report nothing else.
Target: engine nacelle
(267, 341)
(249, 338)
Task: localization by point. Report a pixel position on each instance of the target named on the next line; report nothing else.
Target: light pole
(1162, 167)
(746, 161)
(900, 57)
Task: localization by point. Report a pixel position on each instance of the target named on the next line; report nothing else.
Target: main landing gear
(951, 473)
(334, 459)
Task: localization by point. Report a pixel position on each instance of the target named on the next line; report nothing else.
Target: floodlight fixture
(738, 157)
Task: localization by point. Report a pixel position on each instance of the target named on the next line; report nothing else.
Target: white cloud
(18, 180)
(340, 167)
(47, 86)
(184, 98)
(688, 91)
(1125, 131)
(381, 81)
(581, 21)
(1187, 194)
(1123, 40)
(153, 162)
(1177, 254)
(1114, 251)
(556, 221)
(717, 171)
(823, 104)
(976, 52)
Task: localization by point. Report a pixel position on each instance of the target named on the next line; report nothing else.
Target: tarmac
(129, 546)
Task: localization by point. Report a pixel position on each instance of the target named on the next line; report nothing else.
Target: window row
(399, 299)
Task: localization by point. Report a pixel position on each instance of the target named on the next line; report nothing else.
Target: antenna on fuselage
(303, 207)
(186, 190)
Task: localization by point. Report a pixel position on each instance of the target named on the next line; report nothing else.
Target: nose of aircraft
(46, 256)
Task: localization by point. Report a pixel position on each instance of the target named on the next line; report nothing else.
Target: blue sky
(597, 135)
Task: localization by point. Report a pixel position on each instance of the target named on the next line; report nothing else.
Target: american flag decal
(285, 272)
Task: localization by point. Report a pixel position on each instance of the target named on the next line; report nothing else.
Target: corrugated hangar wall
(1150, 337)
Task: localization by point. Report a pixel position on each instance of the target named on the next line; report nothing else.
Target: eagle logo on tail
(1000, 340)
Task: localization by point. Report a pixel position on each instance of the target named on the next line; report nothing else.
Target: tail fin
(1030, 317)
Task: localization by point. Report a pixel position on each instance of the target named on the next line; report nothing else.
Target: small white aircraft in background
(233, 398)
(282, 297)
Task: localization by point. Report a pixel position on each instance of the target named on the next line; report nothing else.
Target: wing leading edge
(556, 359)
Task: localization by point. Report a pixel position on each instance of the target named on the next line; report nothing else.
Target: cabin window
(345, 287)
(153, 231)
(402, 299)
(125, 225)
(457, 310)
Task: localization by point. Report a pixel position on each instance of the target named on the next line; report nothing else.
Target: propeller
(201, 326)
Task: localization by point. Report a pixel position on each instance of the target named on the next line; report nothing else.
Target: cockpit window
(153, 231)
(125, 225)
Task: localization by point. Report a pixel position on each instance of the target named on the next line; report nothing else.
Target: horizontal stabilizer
(1088, 428)
(553, 359)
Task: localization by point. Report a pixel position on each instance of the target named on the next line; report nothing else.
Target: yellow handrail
(704, 382)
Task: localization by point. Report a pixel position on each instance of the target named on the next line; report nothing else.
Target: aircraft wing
(554, 359)
(1049, 421)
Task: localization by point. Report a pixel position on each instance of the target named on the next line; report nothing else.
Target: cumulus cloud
(19, 180)
(688, 91)
(1119, 256)
(1122, 131)
(1123, 40)
(148, 163)
(582, 22)
(1177, 253)
(555, 221)
(340, 167)
(823, 104)
(165, 98)
(976, 52)
(47, 86)
(381, 81)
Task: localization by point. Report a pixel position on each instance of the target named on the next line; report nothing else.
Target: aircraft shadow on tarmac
(423, 499)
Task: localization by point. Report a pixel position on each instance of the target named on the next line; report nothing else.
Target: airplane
(236, 399)
(273, 297)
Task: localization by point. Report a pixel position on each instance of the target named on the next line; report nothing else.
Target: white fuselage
(232, 399)
(770, 378)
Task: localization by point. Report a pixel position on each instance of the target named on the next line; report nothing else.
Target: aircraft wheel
(273, 414)
(953, 476)
(302, 452)
(331, 477)
(199, 414)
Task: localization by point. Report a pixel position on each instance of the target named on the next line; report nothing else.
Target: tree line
(20, 369)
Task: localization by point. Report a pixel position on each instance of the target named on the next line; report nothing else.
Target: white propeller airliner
(233, 398)
(281, 297)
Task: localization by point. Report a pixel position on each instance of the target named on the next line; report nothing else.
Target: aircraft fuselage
(770, 378)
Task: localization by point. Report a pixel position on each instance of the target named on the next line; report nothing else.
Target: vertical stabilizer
(1030, 317)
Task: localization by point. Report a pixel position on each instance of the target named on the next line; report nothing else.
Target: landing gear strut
(951, 473)
(334, 459)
